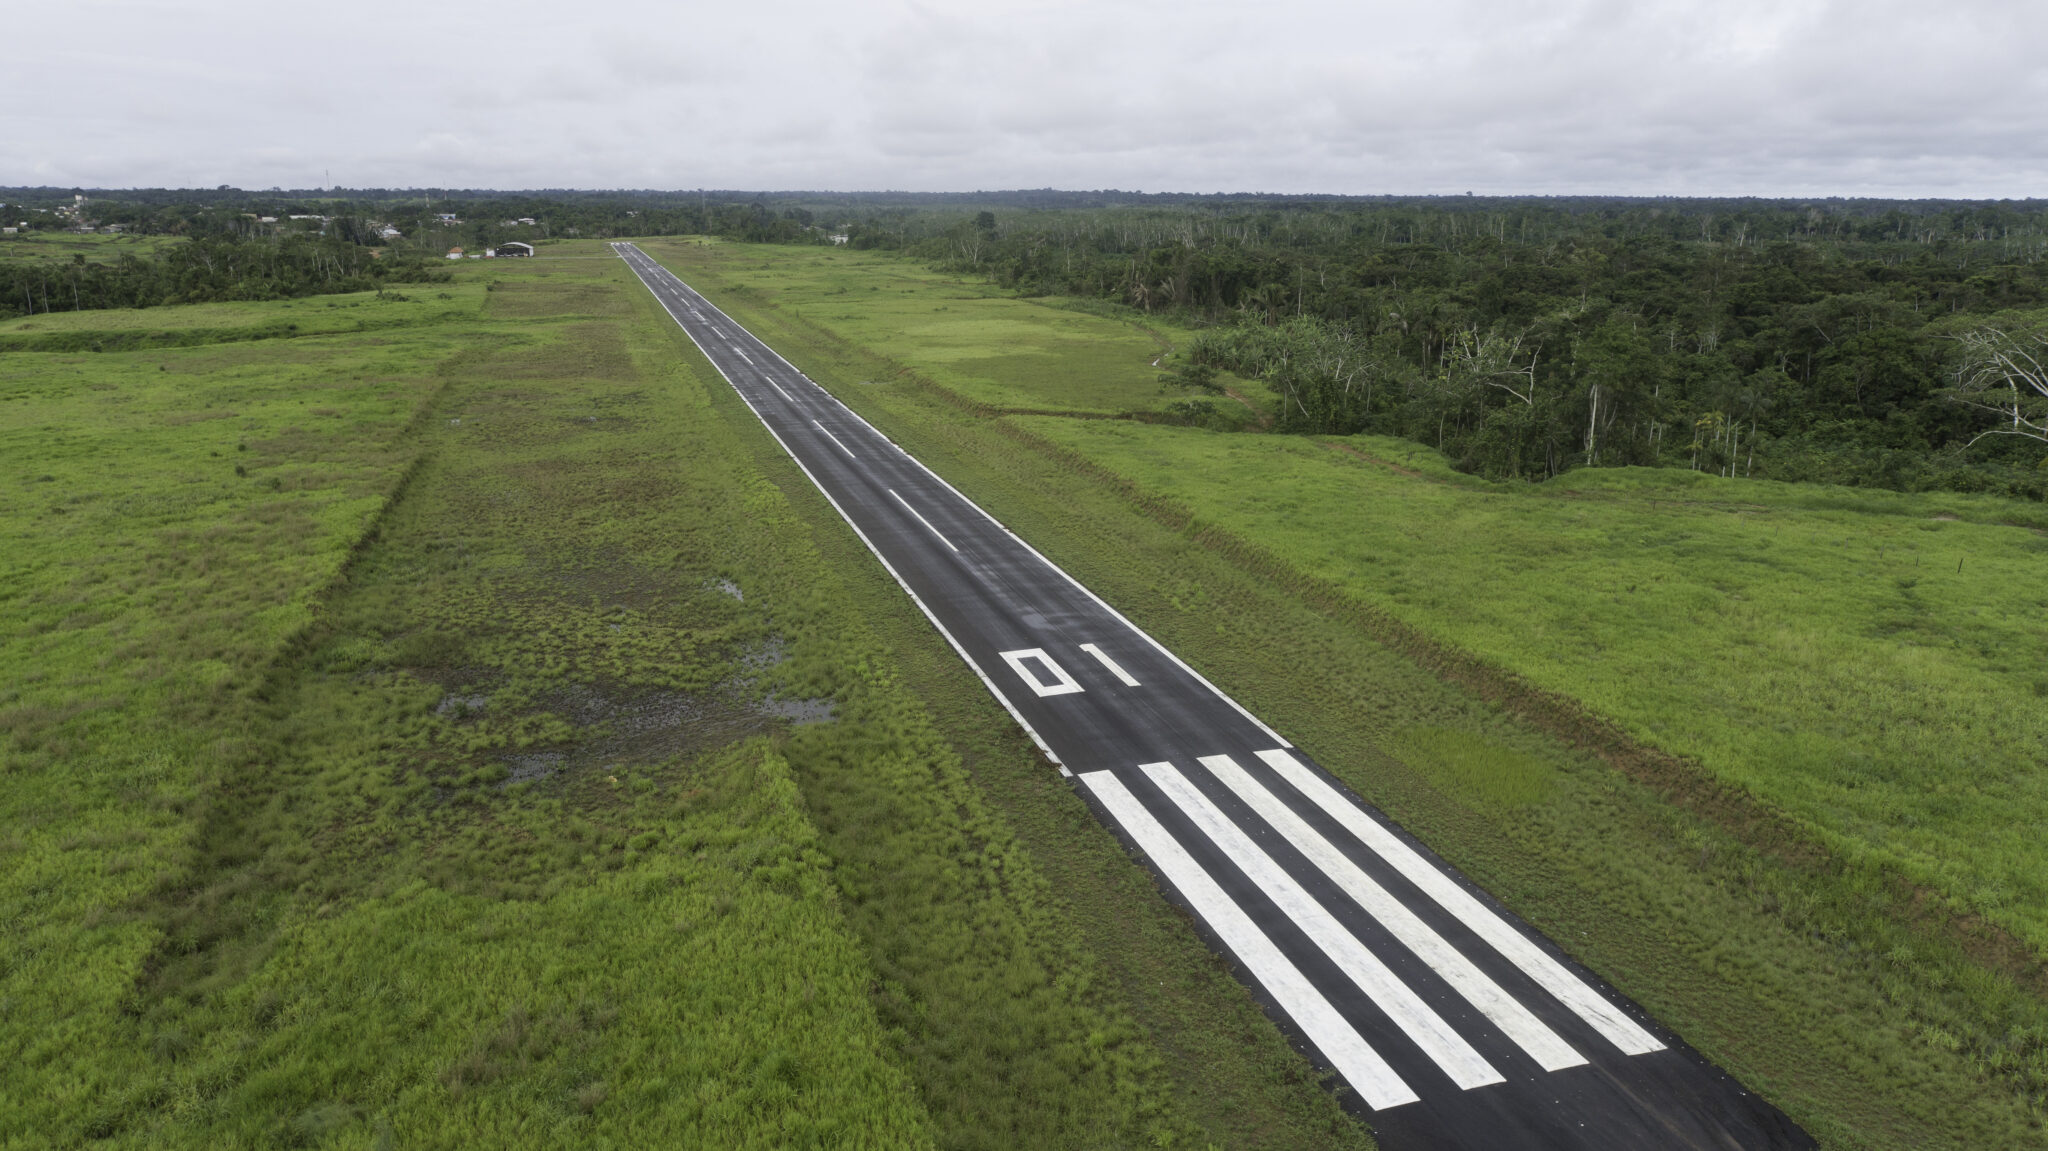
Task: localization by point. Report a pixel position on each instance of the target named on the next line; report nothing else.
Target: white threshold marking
(1109, 663)
(1063, 684)
(1548, 973)
(920, 519)
(1339, 1042)
(1518, 1022)
(821, 427)
(1466, 1067)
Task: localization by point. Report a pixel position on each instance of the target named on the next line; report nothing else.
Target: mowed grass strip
(986, 345)
(1869, 1029)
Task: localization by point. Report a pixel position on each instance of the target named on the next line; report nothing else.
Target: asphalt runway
(1451, 1022)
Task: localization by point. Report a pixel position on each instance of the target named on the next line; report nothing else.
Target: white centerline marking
(828, 435)
(920, 519)
(958, 649)
(744, 356)
(1339, 1042)
(1517, 1021)
(778, 387)
(1466, 1067)
(1109, 663)
(1063, 684)
(643, 261)
(1569, 989)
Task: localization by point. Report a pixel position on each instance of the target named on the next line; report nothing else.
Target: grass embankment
(1874, 1023)
(499, 839)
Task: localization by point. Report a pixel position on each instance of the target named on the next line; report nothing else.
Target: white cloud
(1737, 96)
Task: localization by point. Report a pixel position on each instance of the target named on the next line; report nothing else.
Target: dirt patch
(623, 725)
(461, 706)
(800, 711)
(628, 726)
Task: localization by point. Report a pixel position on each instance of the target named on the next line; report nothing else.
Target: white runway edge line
(1114, 668)
(1548, 973)
(1039, 741)
(1424, 1027)
(1515, 1020)
(828, 434)
(1339, 1042)
(920, 519)
(1178, 662)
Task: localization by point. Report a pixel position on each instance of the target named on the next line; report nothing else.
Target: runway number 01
(1062, 683)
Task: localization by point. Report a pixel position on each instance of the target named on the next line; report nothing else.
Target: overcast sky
(1705, 97)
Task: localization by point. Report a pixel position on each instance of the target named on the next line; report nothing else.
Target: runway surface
(1452, 1023)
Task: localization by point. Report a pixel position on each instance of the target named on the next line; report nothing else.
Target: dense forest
(1881, 343)
(203, 271)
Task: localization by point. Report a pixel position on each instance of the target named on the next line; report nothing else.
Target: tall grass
(455, 812)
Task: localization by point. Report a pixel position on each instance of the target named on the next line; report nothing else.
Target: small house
(455, 253)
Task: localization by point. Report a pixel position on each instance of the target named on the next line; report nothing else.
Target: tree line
(1842, 342)
(203, 271)
(1848, 341)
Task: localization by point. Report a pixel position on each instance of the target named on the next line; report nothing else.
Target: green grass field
(411, 741)
(1791, 641)
(96, 247)
(409, 710)
(970, 337)
(1871, 663)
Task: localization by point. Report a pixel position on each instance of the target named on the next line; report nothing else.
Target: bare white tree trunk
(1592, 422)
(2004, 374)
